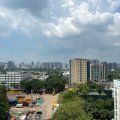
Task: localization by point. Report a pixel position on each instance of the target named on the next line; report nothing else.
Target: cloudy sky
(58, 30)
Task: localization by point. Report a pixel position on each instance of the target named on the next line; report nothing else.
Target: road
(47, 105)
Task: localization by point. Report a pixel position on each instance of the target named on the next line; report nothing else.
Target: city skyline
(50, 30)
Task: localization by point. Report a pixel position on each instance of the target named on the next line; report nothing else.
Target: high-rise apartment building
(83, 70)
(116, 91)
(78, 71)
(95, 72)
(51, 65)
(103, 71)
(10, 65)
(112, 66)
(94, 62)
(1, 66)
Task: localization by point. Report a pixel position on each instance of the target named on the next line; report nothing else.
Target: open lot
(46, 106)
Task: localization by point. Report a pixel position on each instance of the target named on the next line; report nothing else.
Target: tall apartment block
(51, 65)
(10, 65)
(112, 66)
(83, 70)
(95, 72)
(78, 70)
(116, 91)
(103, 71)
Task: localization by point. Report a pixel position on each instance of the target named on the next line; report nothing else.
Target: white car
(19, 106)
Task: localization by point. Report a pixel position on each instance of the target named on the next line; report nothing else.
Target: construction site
(32, 106)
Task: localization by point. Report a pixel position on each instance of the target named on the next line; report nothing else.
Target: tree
(4, 105)
(83, 89)
(71, 108)
(73, 103)
(100, 109)
(55, 82)
(67, 96)
(92, 86)
(113, 74)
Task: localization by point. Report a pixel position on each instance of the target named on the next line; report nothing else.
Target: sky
(59, 30)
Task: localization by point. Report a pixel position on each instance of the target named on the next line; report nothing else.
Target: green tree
(4, 105)
(71, 108)
(55, 82)
(71, 104)
(83, 89)
(67, 96)
(100, 109)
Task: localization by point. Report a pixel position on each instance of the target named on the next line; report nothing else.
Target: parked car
(38, 115)
(19, 106)
(13, 102)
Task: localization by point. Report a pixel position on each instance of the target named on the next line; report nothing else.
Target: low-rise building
(66, 74)
(12, 79)
(43, 77)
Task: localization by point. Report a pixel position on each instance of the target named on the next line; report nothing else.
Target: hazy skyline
(59, 30)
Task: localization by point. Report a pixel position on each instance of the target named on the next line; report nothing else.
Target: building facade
(103, 71)
(83, 70)
(10, 65)
(116, 91)
(112, 66)
(95, 72)
(51, 65)
(78, 71)
(1, 67)
(11, 79)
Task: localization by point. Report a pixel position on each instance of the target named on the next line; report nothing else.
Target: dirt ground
(48, 101)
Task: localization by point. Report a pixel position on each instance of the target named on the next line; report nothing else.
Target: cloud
(33, 6)
(91, 27)
(68, 28)
(68, 3)
(4, 25)
(83, 16)
(115, 27)
(64, 27)
(20, 20)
